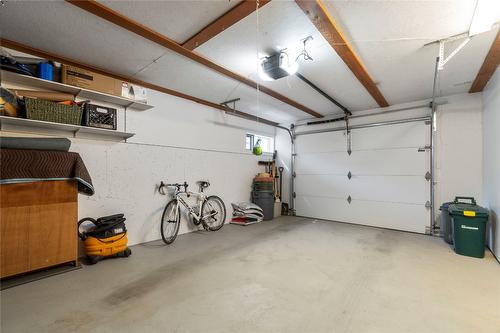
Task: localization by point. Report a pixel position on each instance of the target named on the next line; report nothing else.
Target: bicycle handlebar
(177, 185)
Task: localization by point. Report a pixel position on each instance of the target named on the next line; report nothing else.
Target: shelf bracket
(78, 93)
(125, 119)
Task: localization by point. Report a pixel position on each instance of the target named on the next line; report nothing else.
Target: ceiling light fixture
(277, 66)
(263, 74)
(484, 17)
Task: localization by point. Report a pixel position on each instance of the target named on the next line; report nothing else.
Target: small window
(249, 142)
(267, 143)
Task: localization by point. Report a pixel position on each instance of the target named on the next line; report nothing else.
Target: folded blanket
(22, 165)
(245, 213)
(248, 213)
(243, 206)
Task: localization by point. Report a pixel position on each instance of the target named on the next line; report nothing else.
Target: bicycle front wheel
(170, 221)
(213, 212)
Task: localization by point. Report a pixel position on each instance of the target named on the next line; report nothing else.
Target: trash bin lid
(445, 205)
(463, 209)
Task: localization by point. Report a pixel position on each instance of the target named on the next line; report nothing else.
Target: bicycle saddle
(203, 184)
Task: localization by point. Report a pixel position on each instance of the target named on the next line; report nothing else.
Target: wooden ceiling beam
(488, 67)
(319, 16)
(226, 20)
(51, 56)
(120, 20)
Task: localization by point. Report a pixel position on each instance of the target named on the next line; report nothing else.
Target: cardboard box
(134, 91)
(83, 78)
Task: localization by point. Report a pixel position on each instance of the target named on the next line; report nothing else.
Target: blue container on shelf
(45, 71)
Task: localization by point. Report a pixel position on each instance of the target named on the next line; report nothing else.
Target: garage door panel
(322, 163)
(383, 137)
(322, 142)
(394, 136)
(402, 161)
(333, 186)
(400, 216)
(323, 208)
(407, 217)
(399, 189)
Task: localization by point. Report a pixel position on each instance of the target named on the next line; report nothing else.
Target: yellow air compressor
(103, 238)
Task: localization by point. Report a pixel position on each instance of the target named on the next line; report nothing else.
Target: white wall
(459, 150)
(491, 164)
(458, 143)
(175, 141)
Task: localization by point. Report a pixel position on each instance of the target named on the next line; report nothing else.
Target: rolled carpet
(57, 144)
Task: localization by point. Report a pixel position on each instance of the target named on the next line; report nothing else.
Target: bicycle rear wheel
(214, 212)
(170, 221)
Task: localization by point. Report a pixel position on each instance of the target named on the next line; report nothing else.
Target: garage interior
(250, 166)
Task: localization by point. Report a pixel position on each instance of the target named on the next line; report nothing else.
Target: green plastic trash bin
(445, 226)
(469, 227)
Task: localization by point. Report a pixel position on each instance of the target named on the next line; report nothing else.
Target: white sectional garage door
(387, 188)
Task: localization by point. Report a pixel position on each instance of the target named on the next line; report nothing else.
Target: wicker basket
(39, 109)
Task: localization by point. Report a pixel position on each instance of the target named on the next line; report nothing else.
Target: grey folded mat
(58, 144)
(247, 209)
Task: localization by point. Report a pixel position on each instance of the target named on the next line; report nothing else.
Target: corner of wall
(491, 159)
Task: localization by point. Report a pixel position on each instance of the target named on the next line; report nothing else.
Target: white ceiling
(282, 24)
(185, 75)
(387, 35)
(77, 35)
(179, 20)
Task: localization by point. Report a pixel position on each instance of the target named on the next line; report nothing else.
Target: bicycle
(210, 211)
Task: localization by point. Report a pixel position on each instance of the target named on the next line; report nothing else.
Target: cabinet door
(14, 251)
(53, 226)
(38, 225)
(52, 230)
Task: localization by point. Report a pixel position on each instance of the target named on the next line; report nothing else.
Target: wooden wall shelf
(11, 124)
(82, 93)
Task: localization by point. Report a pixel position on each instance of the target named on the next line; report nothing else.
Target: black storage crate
(99, 116)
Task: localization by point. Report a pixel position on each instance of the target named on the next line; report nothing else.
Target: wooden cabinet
(38, 225)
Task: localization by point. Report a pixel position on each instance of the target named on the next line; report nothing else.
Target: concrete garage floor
(288, 275)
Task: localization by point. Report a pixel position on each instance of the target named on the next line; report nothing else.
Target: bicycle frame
(201, 199)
